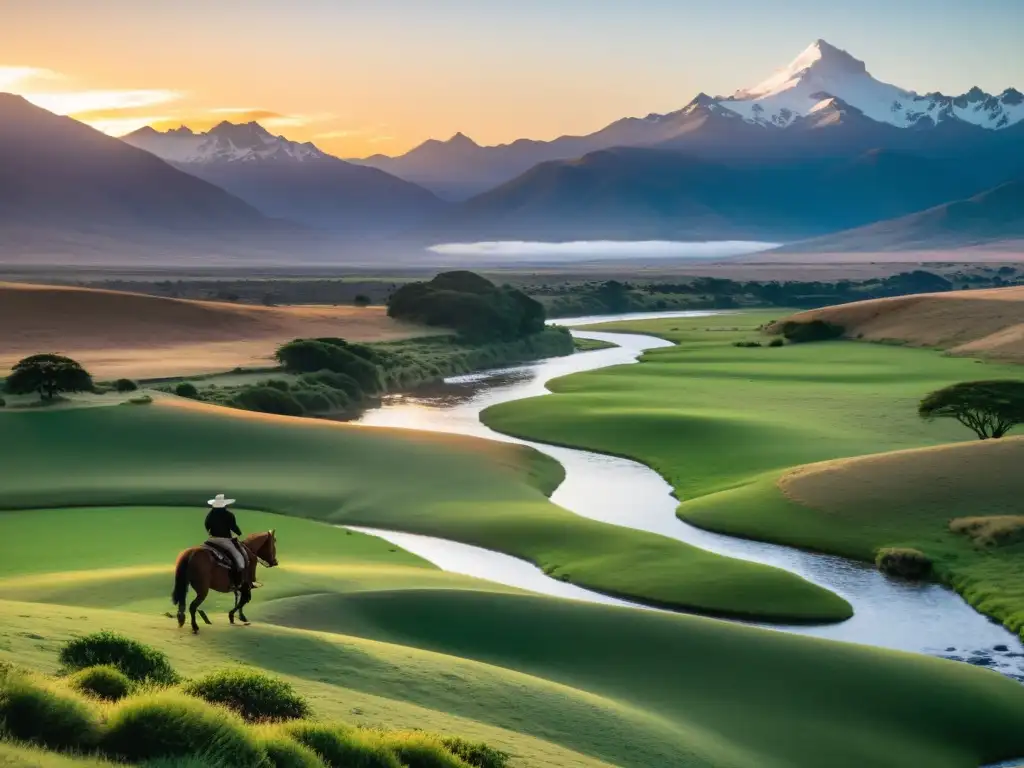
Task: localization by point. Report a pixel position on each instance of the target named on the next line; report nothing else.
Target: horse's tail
(181, 579)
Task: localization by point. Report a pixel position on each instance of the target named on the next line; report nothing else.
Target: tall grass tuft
(104, 682)
(342, 747)
(903, 562)
(421, 750)
(137, 661)
(169, 725)
(253, 695)
(282, 752)
(477, 754)
(35, 713)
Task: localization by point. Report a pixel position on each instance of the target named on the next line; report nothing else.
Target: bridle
(255, 553)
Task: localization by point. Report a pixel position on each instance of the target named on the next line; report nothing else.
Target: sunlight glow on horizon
(361, 78)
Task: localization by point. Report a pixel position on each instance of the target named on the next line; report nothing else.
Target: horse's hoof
(195, 630)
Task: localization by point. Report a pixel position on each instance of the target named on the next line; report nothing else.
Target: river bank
(924, 618)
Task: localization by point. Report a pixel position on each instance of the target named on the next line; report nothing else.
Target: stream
(922, 618)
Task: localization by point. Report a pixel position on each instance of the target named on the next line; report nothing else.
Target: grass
(483, 493)
(727, 426)
(373, 636)
(579, 681)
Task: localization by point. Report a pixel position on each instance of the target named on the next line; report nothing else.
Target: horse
(196, 566)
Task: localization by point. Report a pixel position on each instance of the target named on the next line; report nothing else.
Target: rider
(220, 525)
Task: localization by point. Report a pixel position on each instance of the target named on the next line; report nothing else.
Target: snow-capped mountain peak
(224, 143)
(822, 70)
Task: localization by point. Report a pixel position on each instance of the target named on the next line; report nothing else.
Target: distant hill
(642, 193)
(291, 180)
(128, 334)
(67, 188)
(991, 217)
(986, 323)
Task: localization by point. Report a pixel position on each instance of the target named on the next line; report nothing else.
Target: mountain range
(292, 180)
(822, 88)
(819, 156)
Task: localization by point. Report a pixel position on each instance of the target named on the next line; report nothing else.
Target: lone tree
(990, 408)
(48, 375)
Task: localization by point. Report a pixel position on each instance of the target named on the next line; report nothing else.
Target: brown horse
(196, 566)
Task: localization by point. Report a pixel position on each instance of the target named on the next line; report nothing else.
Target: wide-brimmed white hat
(219, 501)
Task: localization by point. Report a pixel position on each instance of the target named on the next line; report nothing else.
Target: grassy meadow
(731, 427)
(171, 453)
(97, 502)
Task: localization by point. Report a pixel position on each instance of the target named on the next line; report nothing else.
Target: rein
(255, 551)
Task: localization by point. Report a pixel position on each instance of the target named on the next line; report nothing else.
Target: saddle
(223, 559)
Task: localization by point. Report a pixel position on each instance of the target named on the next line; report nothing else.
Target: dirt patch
(124, 334)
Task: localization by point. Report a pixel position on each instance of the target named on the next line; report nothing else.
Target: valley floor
(100, 500)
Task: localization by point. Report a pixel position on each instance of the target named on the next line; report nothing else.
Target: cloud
(12, 79)
(587, 250)
(79, 102)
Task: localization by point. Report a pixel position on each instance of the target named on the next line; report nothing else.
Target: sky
(358, 77)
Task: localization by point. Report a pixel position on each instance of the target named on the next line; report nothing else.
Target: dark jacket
(221, 522)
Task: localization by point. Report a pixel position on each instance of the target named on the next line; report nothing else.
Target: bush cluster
(252, 694)
(187, 389)
(204, 722)
(104, 682)
(140, 663)
(746, 344)
(125, 385)
(903, 562)
(813, 330)
(469, 304)
(336, 355)
(168, 724)
(32, 712)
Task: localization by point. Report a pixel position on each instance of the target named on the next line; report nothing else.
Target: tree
(48, 375)
(362, 300)
(990, 408)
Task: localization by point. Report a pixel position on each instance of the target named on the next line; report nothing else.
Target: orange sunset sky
(359, 77)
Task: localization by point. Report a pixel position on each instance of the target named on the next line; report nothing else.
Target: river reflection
(922, 618)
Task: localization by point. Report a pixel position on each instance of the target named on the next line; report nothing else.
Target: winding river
(923, 618)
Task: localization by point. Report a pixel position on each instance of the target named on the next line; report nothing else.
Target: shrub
(167, 725)
(125, 385)
(903, 562)
(362, 300)
(34, 713)
(282, 752)
(471, 305)
(309, 355)
(103, 682)
(252, 694)
(140, 400)
(339, 381)
(476, 754)
(187, 389)
(3, 403)
(777, 342)
(279, 384)
(421, 750)
(813, 330)
(138, 662)
(267, 400)
(341, 747)
(320, 400)
(991, 531)
(746, 343)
